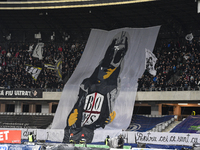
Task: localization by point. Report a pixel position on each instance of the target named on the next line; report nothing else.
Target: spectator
(8, 54)
(31, 137)
(120, 142)
(60, 49)
(3, 52)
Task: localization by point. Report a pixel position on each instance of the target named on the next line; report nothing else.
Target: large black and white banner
(22, 93)
(101, 92)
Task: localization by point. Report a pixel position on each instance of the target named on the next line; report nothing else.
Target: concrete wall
(140, 96)
(149, 97)
(168, 96)
(146, 96)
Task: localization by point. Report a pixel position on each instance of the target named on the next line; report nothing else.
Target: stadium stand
(13, 67)
(151, 123)
(25, 120)
(177, 67)
(180, 73)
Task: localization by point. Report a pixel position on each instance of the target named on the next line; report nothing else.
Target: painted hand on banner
(73, 117)
(111, 117)
(108, 73)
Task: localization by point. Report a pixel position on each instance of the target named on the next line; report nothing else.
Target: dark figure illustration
(97, 94)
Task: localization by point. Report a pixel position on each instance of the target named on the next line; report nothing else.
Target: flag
(150, 62)
(186, 57)
(57, 67)
(38, 51)
(50, 66)
(34, 71)
(30, 48)
(99, 96)
(189, 37)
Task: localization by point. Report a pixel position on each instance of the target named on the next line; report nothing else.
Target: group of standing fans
(14, 58)
(177, 66)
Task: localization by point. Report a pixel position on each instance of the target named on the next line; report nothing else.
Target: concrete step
(171, 126)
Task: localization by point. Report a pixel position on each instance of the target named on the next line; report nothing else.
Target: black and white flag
(150, 62)
(50, 66)
(38, 51)
(34, 71)
(104, 82)
(57, 67)
(189, 37)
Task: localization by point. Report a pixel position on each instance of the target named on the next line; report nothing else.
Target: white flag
(38, 51)
(34, 71)
(30, 48)
(189, 37)
(150, 62)
(186, 57)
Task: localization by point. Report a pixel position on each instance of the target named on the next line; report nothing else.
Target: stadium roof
(176, 17)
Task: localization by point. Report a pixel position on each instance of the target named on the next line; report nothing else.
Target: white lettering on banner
(10, 93)
(4, 135)
(167, 138)
(2, 92)
(23, 93)
(92, 108)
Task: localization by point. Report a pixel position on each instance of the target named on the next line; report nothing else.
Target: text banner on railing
(165, 138)
(158, 138)
(22, 93)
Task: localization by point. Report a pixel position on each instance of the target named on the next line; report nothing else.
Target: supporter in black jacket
(120, 142)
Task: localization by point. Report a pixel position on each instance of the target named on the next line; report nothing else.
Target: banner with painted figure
(150, 62)
(100, 94)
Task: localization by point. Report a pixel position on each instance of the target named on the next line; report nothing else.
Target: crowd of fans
(177, 66)
(15, 58)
